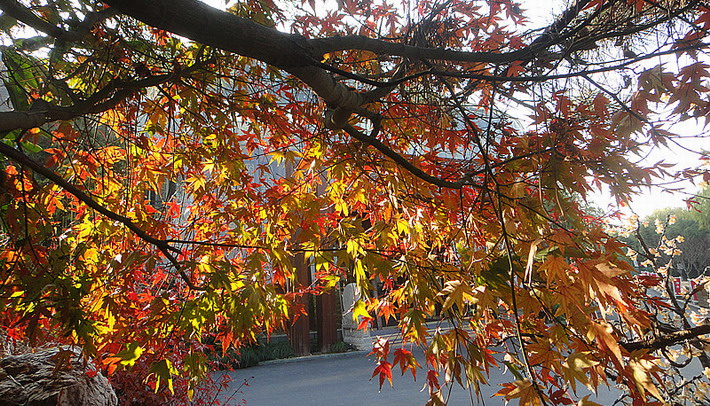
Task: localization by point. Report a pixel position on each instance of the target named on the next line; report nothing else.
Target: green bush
(252, 355)
(340, 346)
(278, 350)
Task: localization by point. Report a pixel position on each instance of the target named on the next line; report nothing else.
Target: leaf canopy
(166, 167)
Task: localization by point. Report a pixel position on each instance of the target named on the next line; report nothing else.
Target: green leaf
(514, 370)
(22, 76)
(164, 371)
(9, 137)
(130, 355)
(31, 147)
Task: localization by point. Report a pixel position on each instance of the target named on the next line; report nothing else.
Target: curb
(312, 357)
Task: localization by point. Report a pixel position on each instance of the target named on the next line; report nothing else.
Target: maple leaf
(129, 356)
(384, 370)
(360, 310)
(432, 380)
(436, 398)
(381, 348)
(556, 268)
(387, 310)
(457, 293)
(406, 360)
(523, 390)
(640, 372)
(606, 340)
(574, 369)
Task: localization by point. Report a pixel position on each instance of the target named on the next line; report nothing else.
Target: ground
(344, 380)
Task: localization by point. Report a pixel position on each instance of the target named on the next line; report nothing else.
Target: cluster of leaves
(685, 239)
(158, 191)
(659, 251)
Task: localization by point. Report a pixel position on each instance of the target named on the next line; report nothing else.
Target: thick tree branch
(668, 339)
(209, 26)
(201, 23)
(296, 54)
(14, 120)
(104, 99)
(21, 13)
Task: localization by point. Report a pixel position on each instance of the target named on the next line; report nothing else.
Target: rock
(8, 346)
(359, 339)
(33, 379)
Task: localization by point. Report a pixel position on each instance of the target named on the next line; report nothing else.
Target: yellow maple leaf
(607, 341)
(457, 293)
(556, 268)
(644, 383)
(524, 390)
(574, 368)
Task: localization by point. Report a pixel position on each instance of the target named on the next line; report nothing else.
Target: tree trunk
(300, 330)
(326, 307)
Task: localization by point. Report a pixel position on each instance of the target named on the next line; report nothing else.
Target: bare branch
(404, 162)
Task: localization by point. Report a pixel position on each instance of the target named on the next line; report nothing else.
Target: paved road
(344, 380)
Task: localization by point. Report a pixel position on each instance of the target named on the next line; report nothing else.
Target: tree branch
(162, 245)
(104, 99)
(668, 339)
(300, 56)
(404, 162)
(15, 120)
(21, 13)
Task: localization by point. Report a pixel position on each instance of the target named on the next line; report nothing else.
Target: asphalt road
(344, 380)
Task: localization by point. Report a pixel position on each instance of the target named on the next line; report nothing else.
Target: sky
(652, 199)
(542, 13)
